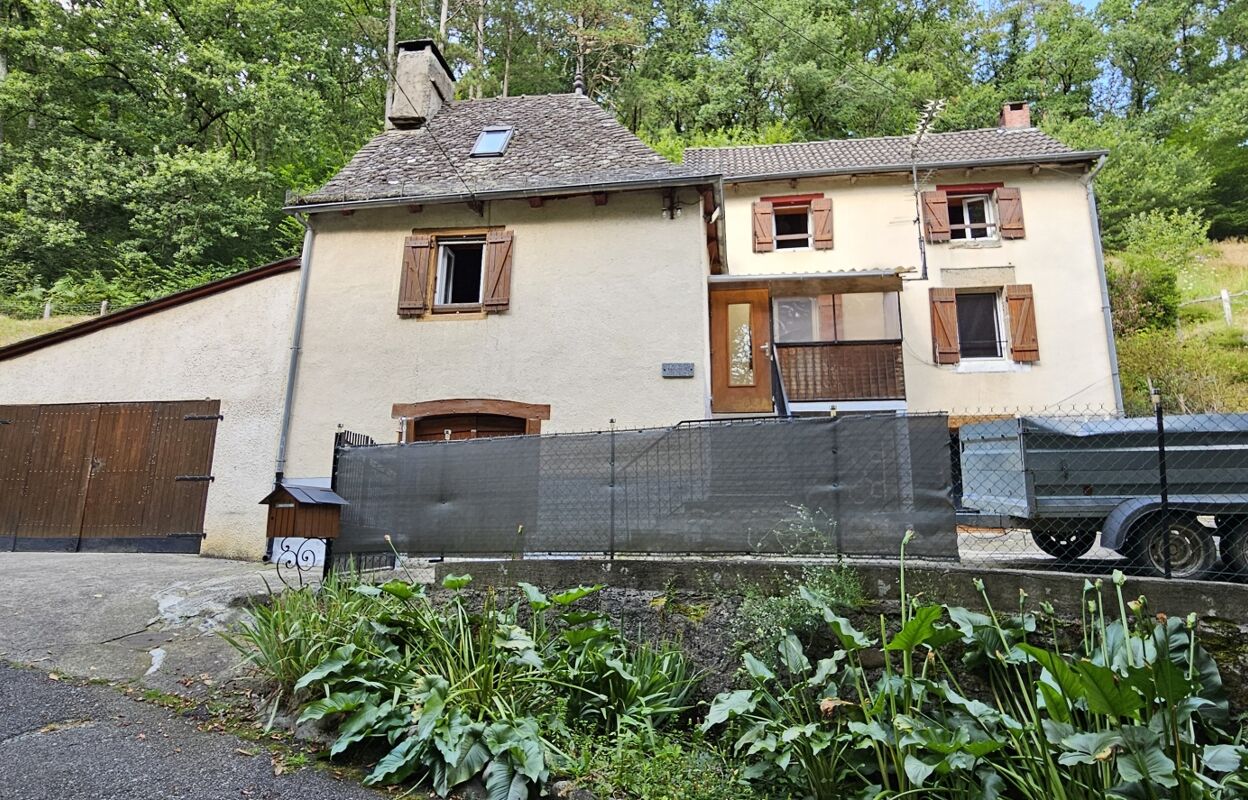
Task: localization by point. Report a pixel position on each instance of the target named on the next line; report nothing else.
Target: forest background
(146, 146)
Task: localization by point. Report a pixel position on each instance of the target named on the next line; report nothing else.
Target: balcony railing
(842, 371)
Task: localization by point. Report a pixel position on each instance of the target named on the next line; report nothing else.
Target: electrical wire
(395, 82)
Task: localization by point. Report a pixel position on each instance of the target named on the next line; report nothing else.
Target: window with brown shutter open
(764, 227)
(414, 283)
(456, 271)
(1021, 308)
(497, 293)
(821, 222)
(935, 216)
(1010, 212)
(944, 309)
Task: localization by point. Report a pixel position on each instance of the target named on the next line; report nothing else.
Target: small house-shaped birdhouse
(300, 510)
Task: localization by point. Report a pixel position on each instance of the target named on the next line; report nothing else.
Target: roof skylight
(492, 141)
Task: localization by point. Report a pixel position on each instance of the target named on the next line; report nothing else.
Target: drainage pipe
(1095, 219)
(296, 348)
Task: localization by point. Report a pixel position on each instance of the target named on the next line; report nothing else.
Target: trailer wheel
(1193, 551)
(1064, 545)
(1235, 548)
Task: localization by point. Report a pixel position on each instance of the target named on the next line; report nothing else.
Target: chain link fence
(1078, 490)
(1089, 491)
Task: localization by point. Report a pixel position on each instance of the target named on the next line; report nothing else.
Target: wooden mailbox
(299, 510)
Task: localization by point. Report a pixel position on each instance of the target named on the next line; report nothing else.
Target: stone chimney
(422, 83)
(1016, 115)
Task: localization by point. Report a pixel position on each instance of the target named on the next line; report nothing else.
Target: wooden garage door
(106, 476)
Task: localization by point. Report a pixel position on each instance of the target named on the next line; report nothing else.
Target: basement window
(459, 273)
(492, 141)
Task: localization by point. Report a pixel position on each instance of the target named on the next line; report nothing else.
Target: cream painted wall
(873, 228)
(230, 346)
(601, 296)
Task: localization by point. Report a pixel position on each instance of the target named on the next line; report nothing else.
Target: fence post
(1226, 307)
(47, 310)
(611, 491)
(1155, 394)
(103, 307)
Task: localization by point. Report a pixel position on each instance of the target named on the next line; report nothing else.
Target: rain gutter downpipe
(1095, 219)
(296, 348)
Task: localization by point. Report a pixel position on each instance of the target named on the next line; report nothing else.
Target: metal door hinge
(196, 478)
(203, 417)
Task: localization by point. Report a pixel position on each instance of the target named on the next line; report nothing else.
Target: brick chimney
(1016, 115)
(423, 81)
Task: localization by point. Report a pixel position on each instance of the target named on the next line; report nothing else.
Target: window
(796, 320)
(979, 325)
(459, 272)
(972, 216)
(492, 141)
(792, 227)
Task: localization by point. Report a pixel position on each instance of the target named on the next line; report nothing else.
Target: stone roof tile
(558, 141)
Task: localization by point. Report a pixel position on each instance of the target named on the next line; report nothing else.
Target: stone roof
(989, 145)
(559, 142)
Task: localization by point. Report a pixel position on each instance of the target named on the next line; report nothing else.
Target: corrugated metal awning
(845, 282)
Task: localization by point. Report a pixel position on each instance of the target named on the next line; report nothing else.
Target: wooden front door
(740, 351)
(448, 427)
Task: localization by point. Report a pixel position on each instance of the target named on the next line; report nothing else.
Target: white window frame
(990, 218)
(788, 211)
(998, 313)
(446, 267)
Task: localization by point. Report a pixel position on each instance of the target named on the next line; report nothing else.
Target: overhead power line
(394, 81)
(844, 62)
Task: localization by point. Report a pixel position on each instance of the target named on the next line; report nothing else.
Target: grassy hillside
(1203, 364)
(11, 330)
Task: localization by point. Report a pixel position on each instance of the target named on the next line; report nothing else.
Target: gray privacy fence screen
(846, 485)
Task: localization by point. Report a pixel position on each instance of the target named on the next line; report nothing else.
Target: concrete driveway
(125, 616)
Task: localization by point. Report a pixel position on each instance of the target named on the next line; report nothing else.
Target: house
(963, 274)
(527, 265)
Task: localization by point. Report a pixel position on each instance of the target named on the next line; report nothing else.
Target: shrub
(670, 767)
(1144, 278)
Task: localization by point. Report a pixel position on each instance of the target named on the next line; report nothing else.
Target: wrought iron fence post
(328, 566)
(1161, 476)
(611, 492)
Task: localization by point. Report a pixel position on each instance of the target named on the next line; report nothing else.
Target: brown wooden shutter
(1010, 212)
(935, 216)
(1024, 346)
(764, 227)
(498, 247)
(821, 213)
(945, 347)
(414, 285)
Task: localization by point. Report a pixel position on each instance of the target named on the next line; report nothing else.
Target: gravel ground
(60, 740)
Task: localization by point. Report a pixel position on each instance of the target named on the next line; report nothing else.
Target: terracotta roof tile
(986, 144)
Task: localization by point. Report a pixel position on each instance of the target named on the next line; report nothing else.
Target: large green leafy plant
(1136, 709)
(470, 686)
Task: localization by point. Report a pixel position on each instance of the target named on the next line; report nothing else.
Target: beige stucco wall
(230, 346)
(601, 296)
(873, 228)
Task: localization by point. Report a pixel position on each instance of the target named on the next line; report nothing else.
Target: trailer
(1068, 480)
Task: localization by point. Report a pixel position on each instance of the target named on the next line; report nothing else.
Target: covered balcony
(826, 341)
